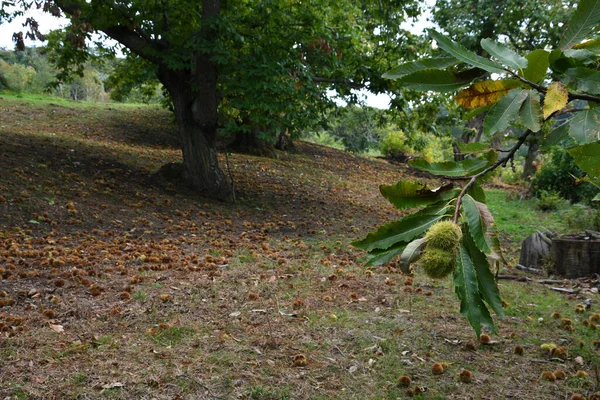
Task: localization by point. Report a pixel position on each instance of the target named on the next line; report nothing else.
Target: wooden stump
(577, 255)
(535, 250)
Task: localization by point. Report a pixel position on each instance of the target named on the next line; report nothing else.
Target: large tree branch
(134, 40)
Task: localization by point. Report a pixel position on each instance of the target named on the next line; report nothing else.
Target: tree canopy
(240, 64)
(526, 25)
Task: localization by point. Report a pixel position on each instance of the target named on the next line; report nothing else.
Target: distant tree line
(32, 71)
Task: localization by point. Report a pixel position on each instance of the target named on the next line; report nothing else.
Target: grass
(172, 295)
(519, 218)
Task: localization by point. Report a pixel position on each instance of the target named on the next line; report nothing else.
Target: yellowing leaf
(486, 93)
(556, 98)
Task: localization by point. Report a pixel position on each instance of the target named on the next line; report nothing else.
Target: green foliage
(441, 242)
(548, 201)
(395, 144)
(30, 71)
(580, 218)
(467, 167)
(511, 106)
(500, 115)
(359, 129)
(582, 22)
(324, 138)
(469, 21)
(561, 175)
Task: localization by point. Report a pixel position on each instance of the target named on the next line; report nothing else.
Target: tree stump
(536, 249)
(577, 255)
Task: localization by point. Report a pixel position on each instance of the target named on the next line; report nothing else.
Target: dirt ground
(118, 283)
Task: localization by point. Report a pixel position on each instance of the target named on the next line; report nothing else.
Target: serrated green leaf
(593, 181)
(555, 137)
(403, 230)
(592, 46)
(415, 66)
(584, 127)
(556, 98)
(582, 79)
(436, 80)
(459, 52)
(411, 253)
(409, 194)
(487, 284)
(475, 112)
(470, 213)
(587, 157)
(466, 287)
(585, 19)
(468, 167)
(485, 93)
(537, 65)
(380, 257)
(477, 193)
(530, 113)
(504, 112)
(451, 168)
(596, 197)
(505, 55)
(474, 147)
(583, 55)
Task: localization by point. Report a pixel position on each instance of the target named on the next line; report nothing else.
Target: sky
(48, 23)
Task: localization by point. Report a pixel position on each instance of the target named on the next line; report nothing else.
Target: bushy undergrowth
(561, 175)
(549, 201)
(581, 217)
(394, 145)
(431, 148)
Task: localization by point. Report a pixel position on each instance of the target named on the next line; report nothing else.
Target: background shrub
(560, 176)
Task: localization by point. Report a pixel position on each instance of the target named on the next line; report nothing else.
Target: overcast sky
(48, 23)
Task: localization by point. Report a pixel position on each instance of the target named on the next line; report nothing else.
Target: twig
(527, 269)
(563, 290)
(340, 350)
(549, 281)
(492, 167)
(514, 278)
(542, 89)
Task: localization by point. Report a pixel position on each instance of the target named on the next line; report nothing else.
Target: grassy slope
(163, 294)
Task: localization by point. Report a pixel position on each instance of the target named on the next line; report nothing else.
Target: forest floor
(118, 283)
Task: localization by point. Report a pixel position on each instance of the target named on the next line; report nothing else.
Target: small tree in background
(525, 92)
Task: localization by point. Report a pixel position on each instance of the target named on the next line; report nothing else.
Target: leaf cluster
(524, 92)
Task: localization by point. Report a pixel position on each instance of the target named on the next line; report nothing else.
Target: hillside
(117, 282)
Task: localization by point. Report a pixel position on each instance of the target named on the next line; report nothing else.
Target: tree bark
(529, 168)
(196, 117)
(250, 143)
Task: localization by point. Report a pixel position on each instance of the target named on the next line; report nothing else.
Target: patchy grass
(119, 284)
(518, 218)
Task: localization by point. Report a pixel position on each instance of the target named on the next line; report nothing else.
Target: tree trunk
(250, 143)
(284, 142)
(529, 168)
(195, 100)
(195, 106)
